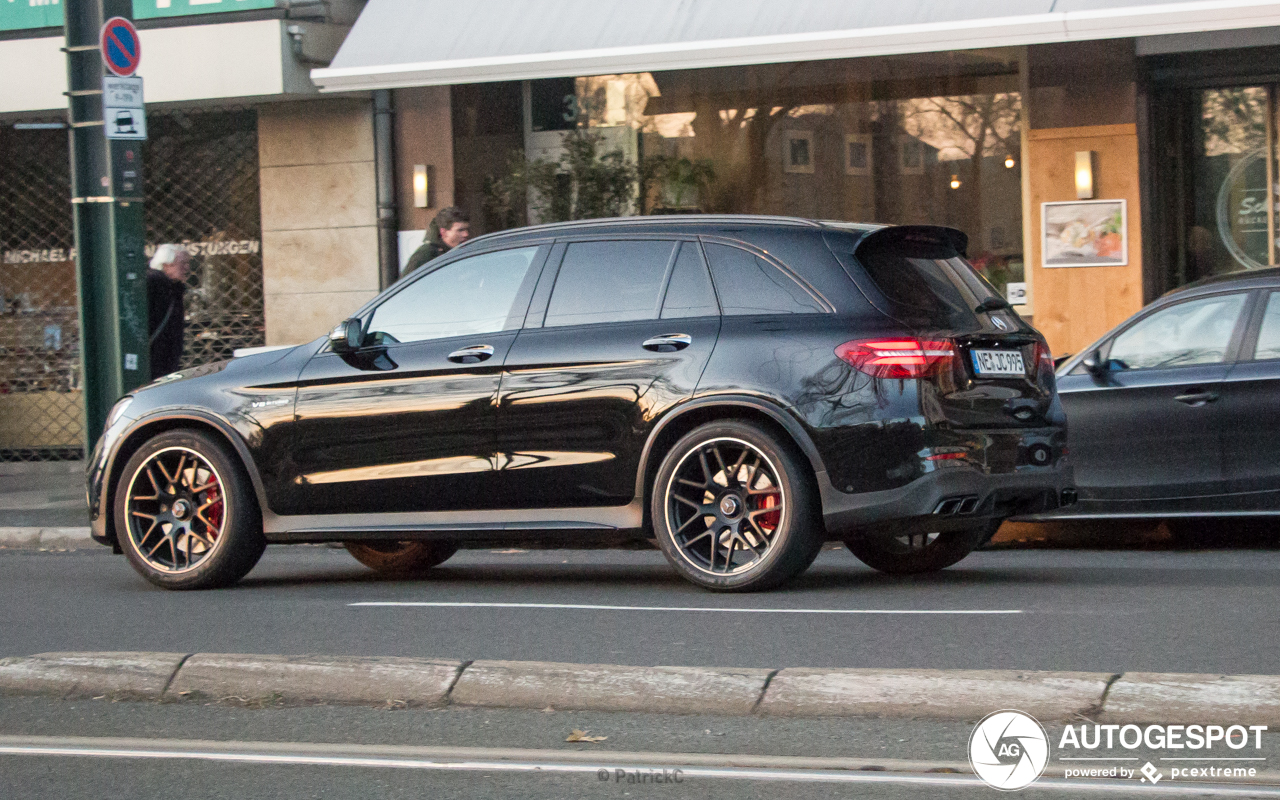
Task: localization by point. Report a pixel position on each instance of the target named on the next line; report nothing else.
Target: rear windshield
(923, 277)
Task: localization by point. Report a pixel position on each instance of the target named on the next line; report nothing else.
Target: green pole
(106, 203)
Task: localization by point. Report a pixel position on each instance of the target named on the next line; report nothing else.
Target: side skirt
(572, 525)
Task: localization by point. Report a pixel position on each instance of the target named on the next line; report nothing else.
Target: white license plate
(998, 362)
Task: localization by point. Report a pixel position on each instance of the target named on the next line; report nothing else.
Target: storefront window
(1229, 173)
(931, 139)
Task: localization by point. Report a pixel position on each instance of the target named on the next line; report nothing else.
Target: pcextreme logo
(1009, 750)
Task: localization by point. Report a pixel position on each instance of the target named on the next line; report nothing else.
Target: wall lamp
(420, 185)
(1084, 175)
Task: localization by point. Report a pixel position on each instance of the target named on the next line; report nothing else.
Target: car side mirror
(346, 336)
(1093, 363)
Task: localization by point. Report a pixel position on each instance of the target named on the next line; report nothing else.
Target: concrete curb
(921, 694)
(603, 687)
(1191, 699)
(932, 693)
(47, 539)
(315, 679)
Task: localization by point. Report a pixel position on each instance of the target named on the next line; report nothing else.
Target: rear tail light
(1044, 358)
(896, 358)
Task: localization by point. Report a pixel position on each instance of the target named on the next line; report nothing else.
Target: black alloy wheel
(733, 509)
(185, 514)
(400, 559)
(910, 554)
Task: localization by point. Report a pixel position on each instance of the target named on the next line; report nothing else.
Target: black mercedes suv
(741, 389)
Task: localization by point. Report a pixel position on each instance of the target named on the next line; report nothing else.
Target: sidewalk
(42, 504)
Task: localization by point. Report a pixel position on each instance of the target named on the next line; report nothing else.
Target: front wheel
(185, 513)
(912, 554)
(734, 510)
(400, 558)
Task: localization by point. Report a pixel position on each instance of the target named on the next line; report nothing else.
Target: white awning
(435, 42)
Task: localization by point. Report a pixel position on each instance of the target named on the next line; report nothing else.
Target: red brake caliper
(768, 522)
(214, 513)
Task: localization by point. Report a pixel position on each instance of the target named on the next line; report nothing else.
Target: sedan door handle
(471, 355)
(668, 342)
(1196, 398)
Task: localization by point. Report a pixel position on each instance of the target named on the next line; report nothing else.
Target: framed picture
(857, 154)
(1084, 233)
(798, 156)
(910, 156)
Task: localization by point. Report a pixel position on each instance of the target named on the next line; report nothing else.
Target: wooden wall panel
(1075, 305)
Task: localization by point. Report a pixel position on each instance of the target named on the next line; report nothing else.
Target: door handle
(668, 342)
(1196, 397)
(471, 355)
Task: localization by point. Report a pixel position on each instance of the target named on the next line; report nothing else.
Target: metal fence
(202, 192)
(201, 173)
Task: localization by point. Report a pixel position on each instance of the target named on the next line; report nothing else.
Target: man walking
(166, 285)
(450, 228)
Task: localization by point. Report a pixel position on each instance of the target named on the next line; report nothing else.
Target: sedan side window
(471, 296)
(689, 294)
(1194, 332)
(747, 284)
(1269, 334)
(613, 281)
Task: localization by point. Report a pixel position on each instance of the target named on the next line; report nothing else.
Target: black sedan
(1173, 413)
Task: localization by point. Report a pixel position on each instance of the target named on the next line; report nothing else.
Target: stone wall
(319, 215)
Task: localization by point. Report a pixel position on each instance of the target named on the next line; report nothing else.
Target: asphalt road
(525, 755)
(1066, 610)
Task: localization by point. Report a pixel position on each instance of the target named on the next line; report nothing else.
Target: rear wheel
(920, 552)
(400, 558)
(733, 508)
(185, 513)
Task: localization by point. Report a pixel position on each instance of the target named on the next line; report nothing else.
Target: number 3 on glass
(571, 104)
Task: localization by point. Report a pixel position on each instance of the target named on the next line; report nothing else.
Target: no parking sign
(121, 50)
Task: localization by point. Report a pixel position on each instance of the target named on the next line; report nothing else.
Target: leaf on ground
(581, 736)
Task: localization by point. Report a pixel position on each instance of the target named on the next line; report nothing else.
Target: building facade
(1097, 153)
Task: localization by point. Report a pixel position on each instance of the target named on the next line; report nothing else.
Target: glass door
(1212, 190)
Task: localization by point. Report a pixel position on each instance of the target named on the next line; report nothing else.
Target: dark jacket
(165, 322)
(431, 248)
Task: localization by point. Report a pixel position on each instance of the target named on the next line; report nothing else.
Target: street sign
(121, 50)
(122, 108)
(124, 123)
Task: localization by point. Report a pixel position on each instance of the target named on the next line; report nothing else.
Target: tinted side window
(747, 284)
(1269, 333)
(1194, 332)
(470, 296)
(609, 282)
(689, 294)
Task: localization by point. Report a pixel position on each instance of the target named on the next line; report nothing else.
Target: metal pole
(106, 203)
(384, 167)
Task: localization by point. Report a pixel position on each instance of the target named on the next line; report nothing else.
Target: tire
(400, 558)
(769, 532)
(912, 555)
(185, 512)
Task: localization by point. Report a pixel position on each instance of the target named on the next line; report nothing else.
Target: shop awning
(434, 42)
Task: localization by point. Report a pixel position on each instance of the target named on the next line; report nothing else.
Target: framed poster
(1084, 233)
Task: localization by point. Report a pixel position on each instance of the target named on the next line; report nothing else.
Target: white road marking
(603, 763)
(586, 607)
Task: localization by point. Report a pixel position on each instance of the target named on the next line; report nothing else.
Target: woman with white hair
(166, 284)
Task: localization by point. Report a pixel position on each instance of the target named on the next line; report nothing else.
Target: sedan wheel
(400, 558)
(733, 509)
(910, 554)
(185, 515)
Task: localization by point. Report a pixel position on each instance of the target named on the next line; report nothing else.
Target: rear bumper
(948, 499)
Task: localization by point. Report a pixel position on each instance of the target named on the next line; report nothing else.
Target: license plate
(998, 362)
